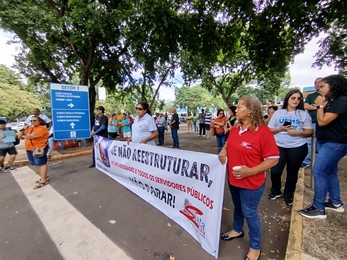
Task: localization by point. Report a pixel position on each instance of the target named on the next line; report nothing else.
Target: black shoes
(92, 165)
(273, 196)
(225, 236)
(288, 201)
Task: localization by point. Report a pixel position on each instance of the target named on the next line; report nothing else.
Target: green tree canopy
(15, 102)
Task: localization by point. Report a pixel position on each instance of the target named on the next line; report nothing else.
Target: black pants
(293, 157)
(202, 129)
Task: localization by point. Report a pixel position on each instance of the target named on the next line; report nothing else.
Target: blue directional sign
(70, 111)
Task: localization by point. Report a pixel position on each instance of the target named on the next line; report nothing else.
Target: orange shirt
(39, 142)
(119, 119)
(219, 120)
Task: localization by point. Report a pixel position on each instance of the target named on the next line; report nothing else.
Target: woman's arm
(222, 156)
(280, 129)
(305, 133)
(151, 137)
(263, 166)
(324, 119)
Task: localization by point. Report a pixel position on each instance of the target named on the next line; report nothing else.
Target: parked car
(183, 117)
(15, 126)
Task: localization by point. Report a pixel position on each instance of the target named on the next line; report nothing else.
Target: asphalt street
(30, 219)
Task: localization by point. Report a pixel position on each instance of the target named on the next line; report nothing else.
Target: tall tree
(333, 47)
(16, 101)
(227, 44)
(98, 40)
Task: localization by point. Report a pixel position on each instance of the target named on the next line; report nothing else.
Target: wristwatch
(318, 107)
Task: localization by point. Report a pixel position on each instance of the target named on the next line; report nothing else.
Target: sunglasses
(297, 98)
(139, 108)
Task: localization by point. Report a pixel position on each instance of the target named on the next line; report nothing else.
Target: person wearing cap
(6, 148)
(100, 127)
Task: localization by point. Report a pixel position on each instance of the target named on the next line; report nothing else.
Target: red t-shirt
(131, 119)
(250, 149)
(222, 120)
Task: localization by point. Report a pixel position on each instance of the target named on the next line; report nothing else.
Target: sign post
(70, 111)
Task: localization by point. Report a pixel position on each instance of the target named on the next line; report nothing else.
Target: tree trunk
(92, 100)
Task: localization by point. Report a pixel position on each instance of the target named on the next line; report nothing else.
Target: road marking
(74, 235)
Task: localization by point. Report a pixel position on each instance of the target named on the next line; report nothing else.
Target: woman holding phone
(291, 125)
(332, 145)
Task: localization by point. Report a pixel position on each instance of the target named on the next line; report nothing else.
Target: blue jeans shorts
(37, 161)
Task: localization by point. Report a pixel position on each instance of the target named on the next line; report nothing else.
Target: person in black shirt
(332, 146)
(174, 124)
(99, 127)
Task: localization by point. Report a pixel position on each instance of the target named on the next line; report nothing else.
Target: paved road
(126, 222)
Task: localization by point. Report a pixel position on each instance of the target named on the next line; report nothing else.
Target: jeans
(161, 131)
(195, 123)
(309, 145)
(50, 144)
(293, 157)
(245, 207)
(325, 172)
(174, 134)
(220, 140)
(202, 129)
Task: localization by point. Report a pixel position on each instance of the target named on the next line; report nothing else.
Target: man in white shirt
(36, 112)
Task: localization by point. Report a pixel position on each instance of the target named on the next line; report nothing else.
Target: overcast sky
(301, 71)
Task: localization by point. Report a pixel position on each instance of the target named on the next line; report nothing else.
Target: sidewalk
(313, 238)
(308, 238)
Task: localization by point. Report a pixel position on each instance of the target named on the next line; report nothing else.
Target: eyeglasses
(34, 120)
(139, 108)
(295, 98)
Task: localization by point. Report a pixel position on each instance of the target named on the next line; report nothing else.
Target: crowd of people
(248, 141)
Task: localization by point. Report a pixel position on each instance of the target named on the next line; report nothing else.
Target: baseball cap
(101, 108)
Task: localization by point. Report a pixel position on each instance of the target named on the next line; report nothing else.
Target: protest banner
(186, 186)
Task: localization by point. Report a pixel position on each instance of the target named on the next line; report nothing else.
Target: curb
(295, 237)
(55, 157)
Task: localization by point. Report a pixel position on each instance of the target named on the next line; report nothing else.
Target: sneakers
(272, 196)
(304, 165)
(313, 212)
(329, 205)
(1, 168)
(9, 169)
(288, 201)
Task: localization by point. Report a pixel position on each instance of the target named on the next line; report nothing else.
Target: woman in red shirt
(251, 150)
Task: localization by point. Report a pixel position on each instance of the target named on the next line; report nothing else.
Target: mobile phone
(287, 123)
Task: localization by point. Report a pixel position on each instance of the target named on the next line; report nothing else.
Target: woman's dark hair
(273, 107)
(220, 110)
(337, 85)
(291, 93)
(42, 122)
(145, 106)
(233, 109)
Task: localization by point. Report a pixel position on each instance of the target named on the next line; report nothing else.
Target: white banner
(186, 186)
